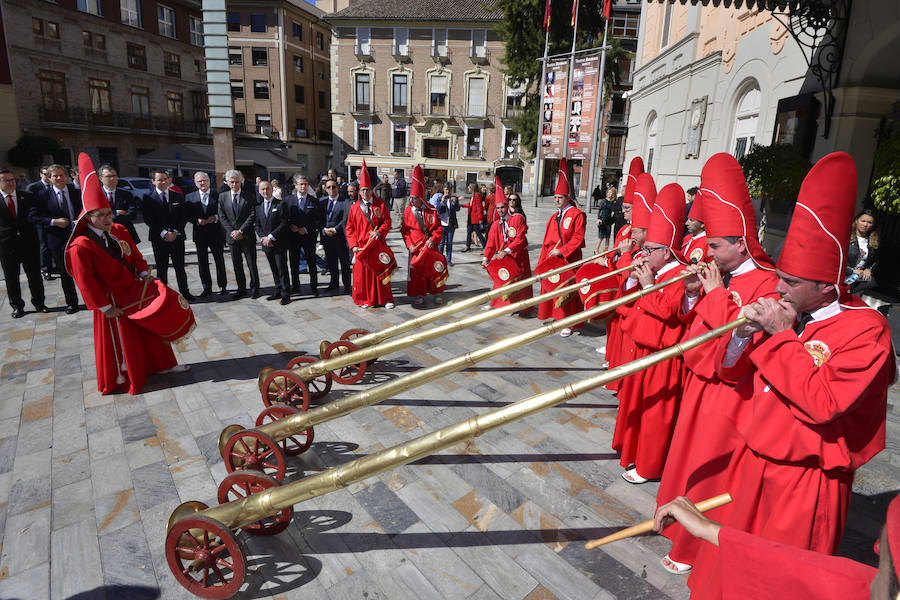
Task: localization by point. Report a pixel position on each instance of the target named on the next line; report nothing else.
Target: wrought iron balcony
(78, 117)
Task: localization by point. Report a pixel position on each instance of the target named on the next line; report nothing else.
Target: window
(140, 104)
(325, 135)
(479, 47)
(166, 18)
(99, 41)
(399, 140)
(473, 142)
(88, 39)
(614, 156)
(475, 103)
(237, 88)
(515, 100)
(258, 23)
(172, 64)
(300, 128)
(137, 56)
(260, 57)
(198, 67)
(51, 30)
(666, 25)
(363, 143)
(130, 12)
(199, 107)
(625, 25)
(299, 94)
(53, 95)
(263, 124)
(298, 64)
(261, 89)
(362, 92)
(37, 26)
(175, 106)
(196, 31)
(746, 120)
(438, 95)
(320, 40)
(234, 21)
(297, 31)
(401, 41)
(90, 6)
(320, 70)
(363, 41)
(510, 144)
(400, 98)
(439, 47)
(235, 56)
(651, 140)
(323, 100)
(240, 122)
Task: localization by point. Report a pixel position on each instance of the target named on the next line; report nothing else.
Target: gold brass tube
(262, 504)
(289, 426)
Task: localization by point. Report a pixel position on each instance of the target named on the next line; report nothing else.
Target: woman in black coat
(862, 256)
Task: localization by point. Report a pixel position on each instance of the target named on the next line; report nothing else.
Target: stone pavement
(87, 482)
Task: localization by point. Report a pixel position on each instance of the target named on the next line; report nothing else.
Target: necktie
(268, 206)
(11, 205)
(558, 216)
(106, 239)
(234, 203)
(726, 278)
(112, 201)
(330, 207)
(63, 205)
(204, 199)
(802, 319)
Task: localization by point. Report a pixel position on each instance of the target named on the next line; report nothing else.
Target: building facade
(412, 85)
(113, 78)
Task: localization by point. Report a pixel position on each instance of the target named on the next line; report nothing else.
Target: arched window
(651, 141)
(746, 120)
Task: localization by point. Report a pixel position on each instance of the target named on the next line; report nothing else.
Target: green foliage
(29, 150)
(886, 184)
(775, 173)
(523, 34)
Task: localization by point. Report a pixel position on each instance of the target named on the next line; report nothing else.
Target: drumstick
(708, 504)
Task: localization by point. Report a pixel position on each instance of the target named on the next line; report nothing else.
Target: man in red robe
(369, 217)
(648, 399)
(706, 440)
(421, 230)
(563, 238)
(112, 276)
(812, 372)
(694, 245)
(507, 238)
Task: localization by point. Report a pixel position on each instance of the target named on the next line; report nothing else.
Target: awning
(202, 157)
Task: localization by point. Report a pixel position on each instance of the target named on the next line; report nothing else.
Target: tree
(885, 190)
(523, 35)
(30, 150)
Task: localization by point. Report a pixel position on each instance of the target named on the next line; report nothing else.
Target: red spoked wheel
(285, 387)
(294, 445)
(252, 450)
(318, 387)
(352, 334)
(205, 557)
(350, 374)
(243, 483)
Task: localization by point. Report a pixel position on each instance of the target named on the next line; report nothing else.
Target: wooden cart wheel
(350, 374)
(285, 387)
(205, 557)
(241, 484)
(318, 387)
(352, 334)
(256, 451)
(294, 445)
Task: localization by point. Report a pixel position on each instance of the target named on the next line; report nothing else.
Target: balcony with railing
(616, 123)
(75, 117)
(479, 55)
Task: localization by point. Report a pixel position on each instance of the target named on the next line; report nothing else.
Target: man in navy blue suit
(272, 228)
(166, 214)
(237, 214)
(203, 208)
(334, 235)
(56, 211)
(122, 203)
(306, 218)
(36, 188)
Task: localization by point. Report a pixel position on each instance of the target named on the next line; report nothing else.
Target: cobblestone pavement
(87, 482)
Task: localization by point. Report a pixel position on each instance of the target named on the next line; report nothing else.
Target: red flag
(607, 8)
(547, 16)
(574, 11)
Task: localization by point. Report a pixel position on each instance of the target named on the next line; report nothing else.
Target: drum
(378, 258)
(599, 291)
(164, 312)
(503, 271)
(433, 265)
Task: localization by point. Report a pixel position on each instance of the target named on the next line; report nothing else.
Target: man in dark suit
(203, 208)
(237, 214)
(334, 236)
(55, 211)
(36, 188)
(306, 220)
(272, 228)
(166, 214)
(18, 245)
(122, 203)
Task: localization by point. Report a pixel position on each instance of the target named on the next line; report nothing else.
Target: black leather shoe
(273, 297)
(346, 291)
(206, 292)
(255, 294)
(47, 275)
(223, 292)
(18, 313)
(189, 296)
(332, 286)
(41, 308)
(285, 301)
(315, 293)
(71, 309)
(295, 289)
(239, 294)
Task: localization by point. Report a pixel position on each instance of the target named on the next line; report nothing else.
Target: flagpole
(595, 138)
(566, 123)
(542, 85)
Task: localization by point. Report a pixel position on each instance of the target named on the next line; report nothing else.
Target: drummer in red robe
(421, 230)
(705, 440)
(368, 218)
(694, 245)
(812, 371)
(563, 238)
(507, 239)
(112, 277)
(648, 399)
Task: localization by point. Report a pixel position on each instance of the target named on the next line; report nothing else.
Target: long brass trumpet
(205, 556)
(259, 449)
(291, 386)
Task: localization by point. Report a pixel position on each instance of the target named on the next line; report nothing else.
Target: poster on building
(553, 109)
(585, 89)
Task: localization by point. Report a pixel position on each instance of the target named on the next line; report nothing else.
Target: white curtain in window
(439, 84)
(476, 96)
(401, 41)
(363, 40)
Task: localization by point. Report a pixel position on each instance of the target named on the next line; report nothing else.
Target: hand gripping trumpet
(201, 548)
(259, 448)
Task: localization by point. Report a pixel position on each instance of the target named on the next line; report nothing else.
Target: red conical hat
(697, 209)
(726, 205)
(92, 197)
(499, 195)
(816, 242)
(562, 182)
(364, 180)
(634, 169)
(417, 188)
(667, 220)
(644, 199)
